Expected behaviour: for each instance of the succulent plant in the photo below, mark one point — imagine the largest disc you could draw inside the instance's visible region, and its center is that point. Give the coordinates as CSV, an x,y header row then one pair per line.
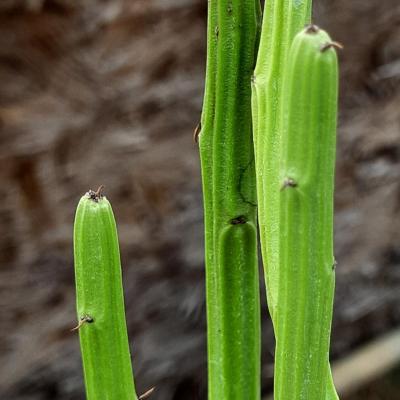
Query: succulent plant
x,y
306,260
286,169
100,302
227,163
282,20
277,112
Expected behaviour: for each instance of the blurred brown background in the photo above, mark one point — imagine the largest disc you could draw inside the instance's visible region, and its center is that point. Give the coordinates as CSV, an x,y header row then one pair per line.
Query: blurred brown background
x,y
108,92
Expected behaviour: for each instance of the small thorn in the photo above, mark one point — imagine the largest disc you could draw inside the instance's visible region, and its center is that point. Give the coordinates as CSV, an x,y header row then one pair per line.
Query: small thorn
x,y
311,28
96,195
334,265
147,394
99,191
196,132
86,319
288,182
76,328
331,45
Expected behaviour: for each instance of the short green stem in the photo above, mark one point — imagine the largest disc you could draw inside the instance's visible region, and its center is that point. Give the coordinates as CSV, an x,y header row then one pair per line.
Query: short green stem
x,y
100,303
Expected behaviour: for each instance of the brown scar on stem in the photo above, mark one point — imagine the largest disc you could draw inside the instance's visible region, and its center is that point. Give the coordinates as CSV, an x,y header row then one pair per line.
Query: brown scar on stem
x,y
147,394
85,319
96,195
238,220
288,182
196,133
331,45
311,28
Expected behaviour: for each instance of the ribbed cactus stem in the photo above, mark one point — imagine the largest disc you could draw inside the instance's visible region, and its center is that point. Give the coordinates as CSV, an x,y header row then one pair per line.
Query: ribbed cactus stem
x,y
100,302
227,163
281,21
306,285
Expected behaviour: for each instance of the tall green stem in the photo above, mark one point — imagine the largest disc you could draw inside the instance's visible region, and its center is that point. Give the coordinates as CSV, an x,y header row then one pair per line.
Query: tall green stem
x,y
100,302
306,285
282,19
227,162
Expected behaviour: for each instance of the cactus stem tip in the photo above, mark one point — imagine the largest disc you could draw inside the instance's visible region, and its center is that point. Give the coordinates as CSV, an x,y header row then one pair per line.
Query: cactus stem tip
x,y
311,28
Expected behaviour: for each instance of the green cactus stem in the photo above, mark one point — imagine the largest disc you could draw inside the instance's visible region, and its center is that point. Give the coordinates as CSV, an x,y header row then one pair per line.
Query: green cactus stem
x,y
281,21
306,261
100,302
227,163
